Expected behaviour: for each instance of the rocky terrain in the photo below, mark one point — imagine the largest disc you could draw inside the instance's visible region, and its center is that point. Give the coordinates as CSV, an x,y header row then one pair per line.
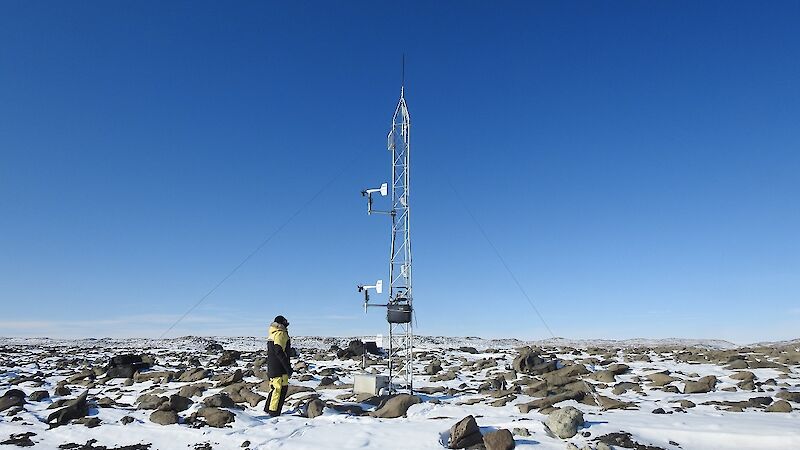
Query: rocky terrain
x,y
204,393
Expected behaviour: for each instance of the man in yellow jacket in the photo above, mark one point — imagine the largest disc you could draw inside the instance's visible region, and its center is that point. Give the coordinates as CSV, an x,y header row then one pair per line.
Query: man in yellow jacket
x,y
279,369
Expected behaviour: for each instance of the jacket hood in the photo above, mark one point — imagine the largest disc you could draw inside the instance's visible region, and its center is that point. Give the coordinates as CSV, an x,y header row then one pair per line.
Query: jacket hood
x,y
275,328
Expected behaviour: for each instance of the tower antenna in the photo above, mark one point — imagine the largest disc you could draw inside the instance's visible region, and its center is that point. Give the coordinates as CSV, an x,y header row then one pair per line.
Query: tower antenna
x,y
403,76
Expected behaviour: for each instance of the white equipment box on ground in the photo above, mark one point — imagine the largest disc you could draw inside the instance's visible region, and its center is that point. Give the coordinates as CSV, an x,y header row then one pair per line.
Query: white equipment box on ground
x,y
369,384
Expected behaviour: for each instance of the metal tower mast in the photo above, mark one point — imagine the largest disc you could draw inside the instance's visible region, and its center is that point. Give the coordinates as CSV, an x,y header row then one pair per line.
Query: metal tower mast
x,y
401,336
399,309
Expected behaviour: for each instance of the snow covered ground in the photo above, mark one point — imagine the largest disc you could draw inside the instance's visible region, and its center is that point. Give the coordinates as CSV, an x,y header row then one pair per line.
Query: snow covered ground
x,y
45,364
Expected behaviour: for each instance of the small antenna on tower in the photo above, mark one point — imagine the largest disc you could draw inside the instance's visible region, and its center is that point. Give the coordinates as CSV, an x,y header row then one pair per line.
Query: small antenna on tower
x,y
403,74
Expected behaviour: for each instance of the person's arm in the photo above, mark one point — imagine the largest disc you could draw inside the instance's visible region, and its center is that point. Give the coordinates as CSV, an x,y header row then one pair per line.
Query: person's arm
x,y
283,355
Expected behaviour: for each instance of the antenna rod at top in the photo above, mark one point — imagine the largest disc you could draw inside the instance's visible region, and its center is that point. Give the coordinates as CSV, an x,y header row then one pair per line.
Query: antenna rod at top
x,y
403,76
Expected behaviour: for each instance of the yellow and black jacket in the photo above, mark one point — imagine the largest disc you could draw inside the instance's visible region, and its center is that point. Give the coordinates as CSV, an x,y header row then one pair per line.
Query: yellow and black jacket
x,y
278,351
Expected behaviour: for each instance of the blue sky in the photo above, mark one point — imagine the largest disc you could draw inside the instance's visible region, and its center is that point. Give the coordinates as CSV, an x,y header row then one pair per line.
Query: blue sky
x,y
635,163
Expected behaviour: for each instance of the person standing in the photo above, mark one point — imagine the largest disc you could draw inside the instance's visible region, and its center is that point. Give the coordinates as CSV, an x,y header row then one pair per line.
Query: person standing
x,y
279,369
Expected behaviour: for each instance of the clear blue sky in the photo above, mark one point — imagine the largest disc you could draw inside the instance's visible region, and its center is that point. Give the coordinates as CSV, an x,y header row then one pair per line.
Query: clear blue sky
x,y
637,165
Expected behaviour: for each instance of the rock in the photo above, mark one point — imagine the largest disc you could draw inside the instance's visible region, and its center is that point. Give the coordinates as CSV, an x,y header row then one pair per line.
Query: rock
x,y
564,423
164,417
529,362
660,379
503,401
216,417
313,408
125,366
744,376
499,440
550,401
447,376
214,347
192,375
686,404
12,398
372,348
294,389
622,439
621,388
74,409
235,377
149,401
565,375
789,396
192,390
604,376
737,365
20,440
701,386
179,403
611,403
465,433
353,410
618,369
746,385
126,420
219,401
780,406
61,390
106,402
433,368
470,350
228,357
659,411
241,393
522,432
326,381
396,406
37,396
355,348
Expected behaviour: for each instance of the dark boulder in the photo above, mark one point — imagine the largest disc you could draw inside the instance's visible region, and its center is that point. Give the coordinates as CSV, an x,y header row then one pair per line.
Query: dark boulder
x,y
228,358
37,396
216,417
701,386
149,401
164,417
125,366
12,397
20,440
214,347
499,440
396,406
372,348
219,401
179,403
74,409
313,408
529,362
465,433
354,348
789,396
